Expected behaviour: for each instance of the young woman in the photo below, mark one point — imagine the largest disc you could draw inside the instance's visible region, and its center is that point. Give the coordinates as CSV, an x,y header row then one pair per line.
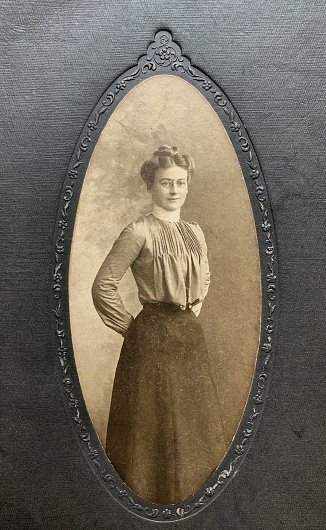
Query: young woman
x,y
165,434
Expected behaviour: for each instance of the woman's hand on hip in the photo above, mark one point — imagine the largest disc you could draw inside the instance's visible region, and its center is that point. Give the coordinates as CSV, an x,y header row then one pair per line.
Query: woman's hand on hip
x,y
197,308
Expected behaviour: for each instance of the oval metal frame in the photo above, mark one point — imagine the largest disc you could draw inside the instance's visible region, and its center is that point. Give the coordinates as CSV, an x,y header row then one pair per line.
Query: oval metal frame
x,y
163,56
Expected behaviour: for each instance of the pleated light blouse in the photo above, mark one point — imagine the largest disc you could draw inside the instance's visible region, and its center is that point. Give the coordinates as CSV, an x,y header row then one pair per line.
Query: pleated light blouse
x,y
168,261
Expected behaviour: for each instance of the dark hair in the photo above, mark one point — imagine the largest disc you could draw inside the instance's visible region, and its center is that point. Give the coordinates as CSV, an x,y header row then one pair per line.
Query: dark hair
x,y
166,157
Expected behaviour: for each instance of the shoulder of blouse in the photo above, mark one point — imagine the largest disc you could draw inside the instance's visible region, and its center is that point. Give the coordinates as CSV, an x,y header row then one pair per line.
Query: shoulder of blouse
x,y
195,226
198,231
136,230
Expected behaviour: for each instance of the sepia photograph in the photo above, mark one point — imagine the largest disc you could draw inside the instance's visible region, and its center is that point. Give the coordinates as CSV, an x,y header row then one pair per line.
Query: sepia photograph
x,y
165,290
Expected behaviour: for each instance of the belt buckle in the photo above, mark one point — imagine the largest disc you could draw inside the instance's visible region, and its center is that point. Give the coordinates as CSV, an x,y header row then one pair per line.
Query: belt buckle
x,y
189,305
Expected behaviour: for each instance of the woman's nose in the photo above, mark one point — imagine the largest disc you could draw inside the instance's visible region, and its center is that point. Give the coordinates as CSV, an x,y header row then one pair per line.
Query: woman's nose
x,y
173,187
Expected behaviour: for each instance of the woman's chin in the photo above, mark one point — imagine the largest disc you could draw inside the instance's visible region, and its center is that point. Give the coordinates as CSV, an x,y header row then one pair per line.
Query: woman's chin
x,y
172,205
172,208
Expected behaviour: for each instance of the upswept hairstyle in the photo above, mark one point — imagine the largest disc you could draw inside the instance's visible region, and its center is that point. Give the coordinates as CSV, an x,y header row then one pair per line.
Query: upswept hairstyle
x,y
166,157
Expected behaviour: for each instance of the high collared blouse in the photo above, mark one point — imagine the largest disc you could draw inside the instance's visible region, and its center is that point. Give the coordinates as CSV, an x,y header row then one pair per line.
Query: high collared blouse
x,y
168,261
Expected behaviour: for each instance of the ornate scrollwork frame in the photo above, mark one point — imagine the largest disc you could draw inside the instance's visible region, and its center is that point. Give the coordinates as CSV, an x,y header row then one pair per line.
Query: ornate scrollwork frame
x,y
164,56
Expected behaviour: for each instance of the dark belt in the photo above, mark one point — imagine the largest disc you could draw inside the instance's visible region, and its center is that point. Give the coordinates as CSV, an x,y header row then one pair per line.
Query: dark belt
x,y
170,305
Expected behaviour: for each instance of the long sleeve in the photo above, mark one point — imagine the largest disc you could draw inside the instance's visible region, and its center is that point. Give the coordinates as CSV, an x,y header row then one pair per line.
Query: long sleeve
x,y
106,298
206,273
207,278
205,265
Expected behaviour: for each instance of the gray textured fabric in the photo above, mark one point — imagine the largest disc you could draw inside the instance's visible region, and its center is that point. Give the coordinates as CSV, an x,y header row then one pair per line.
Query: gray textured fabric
x,y
57,59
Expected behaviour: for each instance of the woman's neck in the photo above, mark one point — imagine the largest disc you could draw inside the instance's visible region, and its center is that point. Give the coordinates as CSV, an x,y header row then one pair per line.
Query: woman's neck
x,y
166,215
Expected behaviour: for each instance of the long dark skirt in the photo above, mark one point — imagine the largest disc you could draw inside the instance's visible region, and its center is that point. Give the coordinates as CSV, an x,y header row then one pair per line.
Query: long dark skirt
x,y
165,435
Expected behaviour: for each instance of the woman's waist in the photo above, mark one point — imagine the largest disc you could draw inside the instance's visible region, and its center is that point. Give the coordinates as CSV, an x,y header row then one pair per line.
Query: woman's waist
x,y
169,306
170,288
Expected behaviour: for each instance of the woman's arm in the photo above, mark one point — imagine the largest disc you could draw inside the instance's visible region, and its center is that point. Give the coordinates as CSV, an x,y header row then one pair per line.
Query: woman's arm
x,y
106,298
207,273
204,266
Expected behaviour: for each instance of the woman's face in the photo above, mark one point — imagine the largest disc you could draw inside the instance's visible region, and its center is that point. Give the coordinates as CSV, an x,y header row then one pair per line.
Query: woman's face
x,y
170,187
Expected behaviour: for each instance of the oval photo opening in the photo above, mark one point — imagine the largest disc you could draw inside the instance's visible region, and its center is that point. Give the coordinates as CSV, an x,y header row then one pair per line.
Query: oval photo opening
x,y
166,347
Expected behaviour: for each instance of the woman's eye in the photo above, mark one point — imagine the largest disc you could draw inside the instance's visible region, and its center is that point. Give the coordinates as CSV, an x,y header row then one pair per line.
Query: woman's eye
x,y
182,183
